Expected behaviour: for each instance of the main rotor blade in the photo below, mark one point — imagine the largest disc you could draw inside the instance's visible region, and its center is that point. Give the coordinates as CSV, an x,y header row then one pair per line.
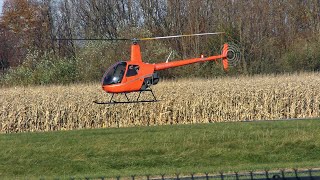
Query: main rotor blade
x,y
178,36
92,39
139,39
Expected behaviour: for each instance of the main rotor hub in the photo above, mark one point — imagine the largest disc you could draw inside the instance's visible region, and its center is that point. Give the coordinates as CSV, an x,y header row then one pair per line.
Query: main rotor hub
x,y
135,41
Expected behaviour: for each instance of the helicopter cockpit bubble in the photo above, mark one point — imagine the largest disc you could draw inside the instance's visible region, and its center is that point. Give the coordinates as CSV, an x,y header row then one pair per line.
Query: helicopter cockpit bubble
x,y
114,74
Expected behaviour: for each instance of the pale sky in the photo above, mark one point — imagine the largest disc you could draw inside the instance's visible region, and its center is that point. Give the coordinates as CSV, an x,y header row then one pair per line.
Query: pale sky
x,y
1,2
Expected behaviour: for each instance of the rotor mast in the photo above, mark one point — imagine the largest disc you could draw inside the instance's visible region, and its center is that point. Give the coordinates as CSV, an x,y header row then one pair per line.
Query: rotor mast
x,y
135,53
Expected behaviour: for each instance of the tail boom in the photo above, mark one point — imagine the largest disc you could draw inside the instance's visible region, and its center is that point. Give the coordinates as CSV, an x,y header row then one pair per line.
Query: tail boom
x,y
162,66
223,56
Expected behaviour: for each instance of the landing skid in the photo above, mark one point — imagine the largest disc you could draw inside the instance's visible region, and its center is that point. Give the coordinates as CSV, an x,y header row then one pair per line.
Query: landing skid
x,y
128,100
124,102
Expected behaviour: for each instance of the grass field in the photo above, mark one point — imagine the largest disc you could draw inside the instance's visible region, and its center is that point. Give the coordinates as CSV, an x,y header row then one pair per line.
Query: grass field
x,y
173,149
187,101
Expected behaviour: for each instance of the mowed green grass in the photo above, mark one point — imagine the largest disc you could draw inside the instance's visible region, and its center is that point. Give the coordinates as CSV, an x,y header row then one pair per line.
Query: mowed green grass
x,y
184,149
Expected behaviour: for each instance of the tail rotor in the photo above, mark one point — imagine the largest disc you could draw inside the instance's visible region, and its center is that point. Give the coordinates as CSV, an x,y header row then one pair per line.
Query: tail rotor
x,y
232,55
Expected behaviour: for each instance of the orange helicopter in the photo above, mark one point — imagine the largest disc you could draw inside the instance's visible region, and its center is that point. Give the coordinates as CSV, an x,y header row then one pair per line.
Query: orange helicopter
x,y
137,76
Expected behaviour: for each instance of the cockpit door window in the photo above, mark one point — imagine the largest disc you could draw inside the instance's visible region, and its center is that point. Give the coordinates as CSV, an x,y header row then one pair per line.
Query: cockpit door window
x,y
115,74
132,70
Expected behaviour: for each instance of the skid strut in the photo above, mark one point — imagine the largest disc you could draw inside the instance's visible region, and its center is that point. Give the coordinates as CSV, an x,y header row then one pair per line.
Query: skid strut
x,y
111,101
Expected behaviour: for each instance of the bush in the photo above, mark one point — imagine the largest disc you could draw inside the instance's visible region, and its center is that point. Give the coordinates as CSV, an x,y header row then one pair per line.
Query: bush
x,y
304,55
41,69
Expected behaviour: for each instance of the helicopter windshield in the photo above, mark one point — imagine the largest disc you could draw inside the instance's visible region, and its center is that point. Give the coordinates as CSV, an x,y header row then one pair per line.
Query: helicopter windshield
x,y
115,74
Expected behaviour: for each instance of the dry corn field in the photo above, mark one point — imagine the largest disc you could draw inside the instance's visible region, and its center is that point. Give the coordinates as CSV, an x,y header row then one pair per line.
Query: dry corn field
x,y
186,101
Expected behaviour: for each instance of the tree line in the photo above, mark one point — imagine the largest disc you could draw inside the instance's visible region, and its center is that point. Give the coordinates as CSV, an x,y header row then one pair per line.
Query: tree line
x,y
273,36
